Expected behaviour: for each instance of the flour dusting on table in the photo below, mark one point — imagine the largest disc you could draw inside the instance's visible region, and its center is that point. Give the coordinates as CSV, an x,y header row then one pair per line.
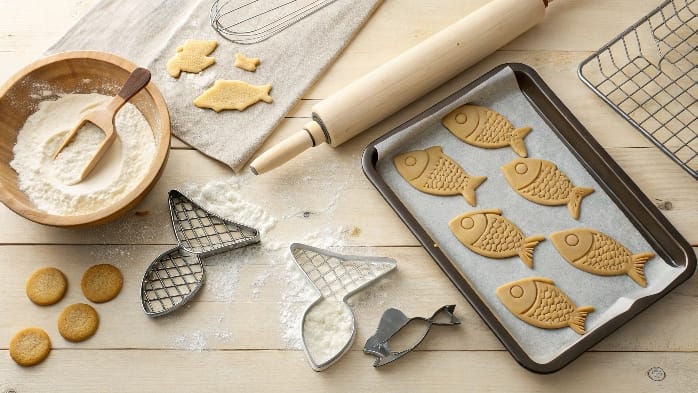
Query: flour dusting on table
x,y
226,198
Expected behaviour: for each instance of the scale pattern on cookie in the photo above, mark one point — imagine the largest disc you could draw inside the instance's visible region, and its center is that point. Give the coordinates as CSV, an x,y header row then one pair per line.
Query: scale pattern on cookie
x,y
482,127
490,234
538,302
595,252
541,182
433,172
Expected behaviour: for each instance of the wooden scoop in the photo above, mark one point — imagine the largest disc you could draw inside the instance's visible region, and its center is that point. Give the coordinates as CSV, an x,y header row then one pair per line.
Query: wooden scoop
x,y
103,118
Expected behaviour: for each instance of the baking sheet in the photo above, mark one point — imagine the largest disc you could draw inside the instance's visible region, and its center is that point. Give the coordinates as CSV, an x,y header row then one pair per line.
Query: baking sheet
x,y
610,296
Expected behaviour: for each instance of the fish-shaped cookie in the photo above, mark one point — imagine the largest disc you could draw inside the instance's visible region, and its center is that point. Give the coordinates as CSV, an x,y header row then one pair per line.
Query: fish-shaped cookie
x,y
540,181
226,94
538,302
483,127
192,57
597,253
435,173
246,63
488,233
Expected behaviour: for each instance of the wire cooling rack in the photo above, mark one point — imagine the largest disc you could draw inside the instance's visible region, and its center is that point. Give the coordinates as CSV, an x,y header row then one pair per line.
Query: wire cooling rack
x,y
648,74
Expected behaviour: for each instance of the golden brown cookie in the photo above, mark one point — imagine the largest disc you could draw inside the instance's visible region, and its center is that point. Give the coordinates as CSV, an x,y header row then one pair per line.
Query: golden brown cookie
x,y
488,233
30,346
78,322
238,95
597,253
101,283
192,57
483,127
538,302
435,173
46,286
541,182
246,63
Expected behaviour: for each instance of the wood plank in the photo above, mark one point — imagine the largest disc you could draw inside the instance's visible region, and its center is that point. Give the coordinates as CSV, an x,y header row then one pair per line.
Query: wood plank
x,y
248,295
252,371
346,199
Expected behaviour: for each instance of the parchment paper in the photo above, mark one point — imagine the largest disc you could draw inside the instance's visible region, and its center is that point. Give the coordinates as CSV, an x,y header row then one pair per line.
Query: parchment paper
x,y
610,296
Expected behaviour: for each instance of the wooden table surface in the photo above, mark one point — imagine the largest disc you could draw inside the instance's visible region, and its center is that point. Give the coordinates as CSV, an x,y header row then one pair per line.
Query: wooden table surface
x,y
236,334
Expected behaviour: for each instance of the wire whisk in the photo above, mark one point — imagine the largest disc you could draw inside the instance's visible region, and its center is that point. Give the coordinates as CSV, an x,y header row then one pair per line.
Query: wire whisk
x,y
250,22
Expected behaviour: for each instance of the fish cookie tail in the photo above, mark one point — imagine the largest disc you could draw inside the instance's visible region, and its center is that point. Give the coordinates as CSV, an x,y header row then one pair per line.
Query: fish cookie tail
x,y
637,268
517,140
469,191
266,97
526,252
579,318
575,202
173,68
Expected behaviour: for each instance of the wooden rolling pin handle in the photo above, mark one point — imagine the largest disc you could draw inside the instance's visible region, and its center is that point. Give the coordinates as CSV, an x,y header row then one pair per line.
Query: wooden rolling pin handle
x,y
310,136
402,80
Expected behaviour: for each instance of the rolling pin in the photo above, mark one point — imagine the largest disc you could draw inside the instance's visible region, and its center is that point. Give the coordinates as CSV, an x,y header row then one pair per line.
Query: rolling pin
x,y
404,79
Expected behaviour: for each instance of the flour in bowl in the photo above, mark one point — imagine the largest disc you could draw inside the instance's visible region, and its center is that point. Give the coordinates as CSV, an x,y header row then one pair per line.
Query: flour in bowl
x,y
47,182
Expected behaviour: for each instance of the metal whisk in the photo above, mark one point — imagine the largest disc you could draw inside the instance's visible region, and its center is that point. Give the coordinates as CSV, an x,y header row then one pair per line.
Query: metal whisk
x,y
249,22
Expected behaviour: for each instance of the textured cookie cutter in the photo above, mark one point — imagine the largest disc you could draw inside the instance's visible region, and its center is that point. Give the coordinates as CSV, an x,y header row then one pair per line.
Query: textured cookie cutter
x,y
175,276
336,278
392,322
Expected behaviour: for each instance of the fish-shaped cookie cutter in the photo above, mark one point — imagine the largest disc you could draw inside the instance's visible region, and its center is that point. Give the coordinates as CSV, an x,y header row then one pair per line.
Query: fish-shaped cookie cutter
x,y
175,276
392,322
336,277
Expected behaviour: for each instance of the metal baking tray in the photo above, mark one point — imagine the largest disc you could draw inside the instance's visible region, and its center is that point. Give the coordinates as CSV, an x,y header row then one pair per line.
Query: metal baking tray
x,y
617,207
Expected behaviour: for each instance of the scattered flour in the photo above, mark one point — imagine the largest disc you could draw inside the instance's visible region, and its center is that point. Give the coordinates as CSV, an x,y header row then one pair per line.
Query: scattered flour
x,y
327,329
226,198
48,182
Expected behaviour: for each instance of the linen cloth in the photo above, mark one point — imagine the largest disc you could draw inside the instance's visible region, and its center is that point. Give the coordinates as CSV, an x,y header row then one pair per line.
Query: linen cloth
x,y
148,33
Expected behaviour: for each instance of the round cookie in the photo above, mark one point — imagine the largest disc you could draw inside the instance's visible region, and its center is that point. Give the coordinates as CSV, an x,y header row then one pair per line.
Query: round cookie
x,y
101,283
30,346
46,286
78,322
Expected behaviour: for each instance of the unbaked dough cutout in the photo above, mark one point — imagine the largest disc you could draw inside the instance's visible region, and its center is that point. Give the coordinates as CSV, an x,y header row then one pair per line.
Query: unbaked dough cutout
x,y
227,94
246,63
192,57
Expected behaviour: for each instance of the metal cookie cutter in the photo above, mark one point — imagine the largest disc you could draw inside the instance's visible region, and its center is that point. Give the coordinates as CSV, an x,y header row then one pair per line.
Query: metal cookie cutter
x,y
336,277
392,322
175,276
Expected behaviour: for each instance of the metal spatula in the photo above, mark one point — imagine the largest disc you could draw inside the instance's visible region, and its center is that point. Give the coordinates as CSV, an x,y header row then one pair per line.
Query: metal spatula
x,y
103,118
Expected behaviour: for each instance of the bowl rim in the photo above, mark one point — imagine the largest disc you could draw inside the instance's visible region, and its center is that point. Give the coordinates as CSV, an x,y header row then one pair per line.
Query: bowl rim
x,y
162,137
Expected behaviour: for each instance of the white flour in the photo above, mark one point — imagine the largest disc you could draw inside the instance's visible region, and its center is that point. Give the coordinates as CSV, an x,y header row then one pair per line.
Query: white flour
x,y
226,197
47,182
327,329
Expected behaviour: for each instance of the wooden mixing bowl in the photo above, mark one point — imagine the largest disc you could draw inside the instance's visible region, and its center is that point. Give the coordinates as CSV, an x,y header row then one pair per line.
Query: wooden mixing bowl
x,y
75,72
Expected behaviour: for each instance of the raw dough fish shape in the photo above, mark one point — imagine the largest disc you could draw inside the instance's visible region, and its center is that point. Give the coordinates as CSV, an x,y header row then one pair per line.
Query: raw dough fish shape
x,y
489,234
483,127
538,302
226,94
192,57
433,172
246,63
597,253
541,182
